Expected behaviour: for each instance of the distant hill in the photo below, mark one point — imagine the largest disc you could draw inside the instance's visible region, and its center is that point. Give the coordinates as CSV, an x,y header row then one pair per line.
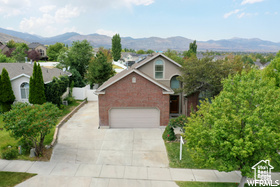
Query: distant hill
x,y
154,43
6,38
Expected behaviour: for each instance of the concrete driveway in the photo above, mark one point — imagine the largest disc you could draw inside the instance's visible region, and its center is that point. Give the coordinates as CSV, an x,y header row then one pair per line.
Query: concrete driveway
x,y
91,157
81,142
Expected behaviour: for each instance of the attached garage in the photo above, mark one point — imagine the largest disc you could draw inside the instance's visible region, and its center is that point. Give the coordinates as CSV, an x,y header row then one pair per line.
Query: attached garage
x,y
134,117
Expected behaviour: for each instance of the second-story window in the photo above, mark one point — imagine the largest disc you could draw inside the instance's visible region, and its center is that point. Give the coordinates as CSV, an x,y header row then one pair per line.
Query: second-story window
x,y
159,69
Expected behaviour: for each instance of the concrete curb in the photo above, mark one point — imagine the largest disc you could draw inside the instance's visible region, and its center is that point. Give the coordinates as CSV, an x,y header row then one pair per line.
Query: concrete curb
x,y
64,120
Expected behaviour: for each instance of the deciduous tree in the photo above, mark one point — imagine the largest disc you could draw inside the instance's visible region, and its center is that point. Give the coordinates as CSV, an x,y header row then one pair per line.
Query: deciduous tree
x,y
78,56
34,55
53,51
240,127
100,70
31,122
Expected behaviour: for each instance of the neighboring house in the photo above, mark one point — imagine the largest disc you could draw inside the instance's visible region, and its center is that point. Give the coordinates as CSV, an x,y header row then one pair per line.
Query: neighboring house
x,y
129,58
142,95
260,65
40,48
3,48
20,74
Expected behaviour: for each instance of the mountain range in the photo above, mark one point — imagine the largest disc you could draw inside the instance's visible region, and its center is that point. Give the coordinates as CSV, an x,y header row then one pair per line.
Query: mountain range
x,y
155,43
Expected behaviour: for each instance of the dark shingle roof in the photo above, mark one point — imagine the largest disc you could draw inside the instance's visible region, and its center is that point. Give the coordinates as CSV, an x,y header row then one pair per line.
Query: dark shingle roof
x,y
17,69
34,45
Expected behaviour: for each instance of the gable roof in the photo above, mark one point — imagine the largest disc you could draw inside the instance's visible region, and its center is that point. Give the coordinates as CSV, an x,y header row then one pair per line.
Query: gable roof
x,y
33,45
152,57
134,68
17,70
127,72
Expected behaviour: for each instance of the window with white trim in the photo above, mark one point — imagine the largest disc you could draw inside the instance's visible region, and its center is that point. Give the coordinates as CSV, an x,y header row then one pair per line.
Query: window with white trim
x,y
159,69
24,90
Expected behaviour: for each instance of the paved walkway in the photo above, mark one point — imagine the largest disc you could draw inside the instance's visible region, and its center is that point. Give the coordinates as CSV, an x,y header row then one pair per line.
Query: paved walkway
x,y
87,156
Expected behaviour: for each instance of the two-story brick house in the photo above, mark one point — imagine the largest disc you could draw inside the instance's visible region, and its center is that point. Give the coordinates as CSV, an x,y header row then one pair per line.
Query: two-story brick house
x,y
143,95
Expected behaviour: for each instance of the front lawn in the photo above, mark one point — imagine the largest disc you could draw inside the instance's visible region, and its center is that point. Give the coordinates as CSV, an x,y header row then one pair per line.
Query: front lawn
x,y
13,178
6,139
173,151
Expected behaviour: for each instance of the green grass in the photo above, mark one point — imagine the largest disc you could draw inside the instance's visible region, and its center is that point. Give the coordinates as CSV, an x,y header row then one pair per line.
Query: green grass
x,y
173,150
6,139
116,67
13,178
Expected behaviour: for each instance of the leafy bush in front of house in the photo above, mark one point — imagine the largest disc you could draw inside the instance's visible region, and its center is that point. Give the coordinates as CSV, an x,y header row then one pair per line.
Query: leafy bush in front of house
x,y
31,122
9,153
55,89
168,134
70,100
179,122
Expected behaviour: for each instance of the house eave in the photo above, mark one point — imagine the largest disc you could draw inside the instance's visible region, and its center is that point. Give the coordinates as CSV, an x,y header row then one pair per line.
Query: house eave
x,y
168,93
99,92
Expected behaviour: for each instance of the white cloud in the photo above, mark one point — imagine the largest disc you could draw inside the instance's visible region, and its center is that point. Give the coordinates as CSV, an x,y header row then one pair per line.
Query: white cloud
x,y
107,33
250,1
241,15
226,15
50,22
13,7
47,8
67,12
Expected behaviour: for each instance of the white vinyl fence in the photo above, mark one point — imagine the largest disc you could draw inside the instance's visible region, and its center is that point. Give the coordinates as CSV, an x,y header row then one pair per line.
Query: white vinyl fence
x,y
85,92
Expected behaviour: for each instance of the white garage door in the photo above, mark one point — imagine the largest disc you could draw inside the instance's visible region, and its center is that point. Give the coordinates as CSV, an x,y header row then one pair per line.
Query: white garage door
x,y
134,117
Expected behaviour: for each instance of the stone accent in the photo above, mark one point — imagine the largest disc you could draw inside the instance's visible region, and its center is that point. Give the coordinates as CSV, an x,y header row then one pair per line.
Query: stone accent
x,y
124,93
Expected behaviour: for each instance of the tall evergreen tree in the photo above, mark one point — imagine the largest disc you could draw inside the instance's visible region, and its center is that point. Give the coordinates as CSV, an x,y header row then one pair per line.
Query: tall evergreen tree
x,y
37,89
32,86
100,70
7,96
116,47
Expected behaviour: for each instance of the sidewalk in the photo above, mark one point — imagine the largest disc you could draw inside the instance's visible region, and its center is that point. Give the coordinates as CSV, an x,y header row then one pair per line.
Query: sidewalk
x,y
71,174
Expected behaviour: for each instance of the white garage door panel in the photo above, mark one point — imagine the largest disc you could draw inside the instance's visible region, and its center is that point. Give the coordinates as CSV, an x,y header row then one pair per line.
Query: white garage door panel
x,y
134,117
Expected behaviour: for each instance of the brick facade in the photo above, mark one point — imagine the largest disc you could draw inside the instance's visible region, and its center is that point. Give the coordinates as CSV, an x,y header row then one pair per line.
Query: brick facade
x,y
124,93
192,102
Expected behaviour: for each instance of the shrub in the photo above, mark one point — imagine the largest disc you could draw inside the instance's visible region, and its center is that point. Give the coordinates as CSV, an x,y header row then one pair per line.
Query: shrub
x,y
70,100
26,145
9,153
179,122
168,134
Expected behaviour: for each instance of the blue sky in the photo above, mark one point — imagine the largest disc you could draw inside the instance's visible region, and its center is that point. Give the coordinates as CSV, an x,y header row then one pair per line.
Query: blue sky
x,y
195,19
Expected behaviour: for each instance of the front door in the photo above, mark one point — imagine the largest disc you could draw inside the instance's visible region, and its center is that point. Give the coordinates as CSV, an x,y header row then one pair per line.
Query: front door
x,y
174,104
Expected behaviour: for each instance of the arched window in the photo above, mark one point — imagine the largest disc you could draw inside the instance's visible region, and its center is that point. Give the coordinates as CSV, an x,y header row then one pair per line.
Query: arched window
x,y
24,90
174,83
159,69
